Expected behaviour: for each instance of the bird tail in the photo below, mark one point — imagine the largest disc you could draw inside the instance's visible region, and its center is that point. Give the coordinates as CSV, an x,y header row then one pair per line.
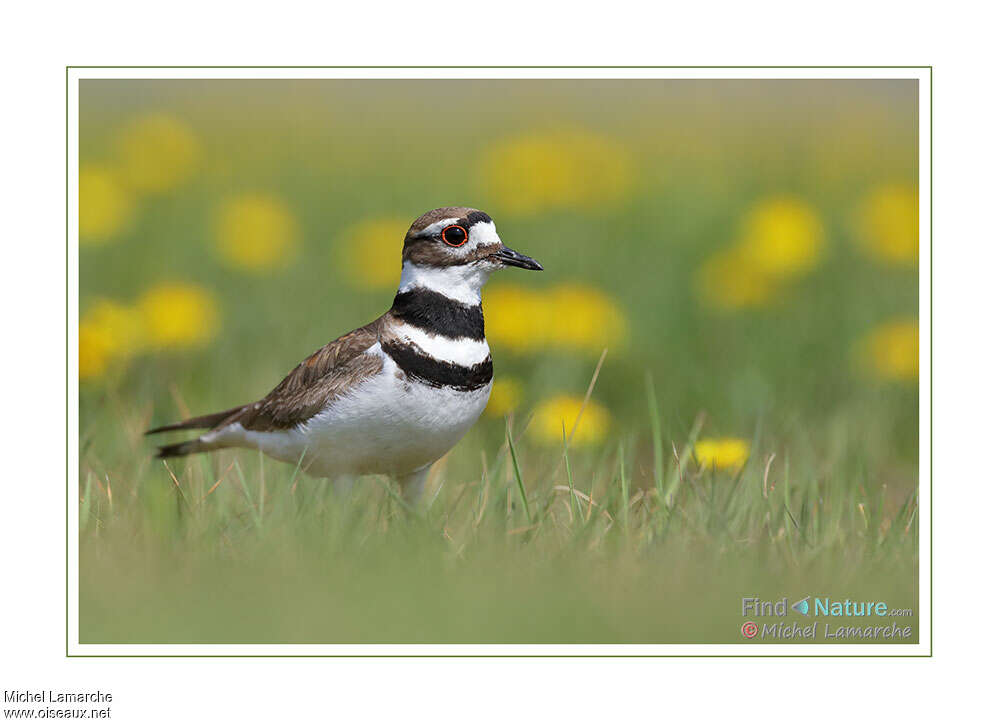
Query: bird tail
x,y
199,444
196,423
181,449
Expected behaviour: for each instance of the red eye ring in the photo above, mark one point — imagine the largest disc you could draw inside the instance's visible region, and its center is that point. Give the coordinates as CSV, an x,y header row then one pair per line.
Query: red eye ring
x,y
455,240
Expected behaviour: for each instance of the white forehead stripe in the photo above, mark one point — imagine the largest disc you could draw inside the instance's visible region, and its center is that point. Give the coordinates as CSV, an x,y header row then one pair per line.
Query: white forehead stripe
x,y
439,225
462,351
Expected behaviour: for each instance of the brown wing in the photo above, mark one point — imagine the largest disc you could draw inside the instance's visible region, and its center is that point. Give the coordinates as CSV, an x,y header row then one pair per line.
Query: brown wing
x,y
318,380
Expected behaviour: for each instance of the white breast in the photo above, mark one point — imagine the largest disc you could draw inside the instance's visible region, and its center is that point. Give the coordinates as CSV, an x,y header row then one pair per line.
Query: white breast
x,y
392,424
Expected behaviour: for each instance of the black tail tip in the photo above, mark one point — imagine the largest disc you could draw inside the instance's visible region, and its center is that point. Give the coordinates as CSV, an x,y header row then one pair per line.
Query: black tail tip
x,y
176,450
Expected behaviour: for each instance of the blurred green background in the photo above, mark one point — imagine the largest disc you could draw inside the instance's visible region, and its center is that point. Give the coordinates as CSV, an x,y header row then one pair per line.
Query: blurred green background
x,y
745,250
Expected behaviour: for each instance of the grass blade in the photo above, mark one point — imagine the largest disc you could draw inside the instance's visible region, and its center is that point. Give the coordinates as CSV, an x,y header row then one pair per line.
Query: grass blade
x,y
516,472
657,435
589,392
249,499
572,488
85,503
625,495
681,463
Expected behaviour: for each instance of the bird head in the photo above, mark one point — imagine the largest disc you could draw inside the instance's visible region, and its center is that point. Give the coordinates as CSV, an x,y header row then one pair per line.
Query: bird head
x,y
454,250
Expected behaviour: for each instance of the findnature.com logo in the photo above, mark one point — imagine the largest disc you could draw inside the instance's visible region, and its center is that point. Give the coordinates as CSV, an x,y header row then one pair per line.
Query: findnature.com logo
x,y
822,607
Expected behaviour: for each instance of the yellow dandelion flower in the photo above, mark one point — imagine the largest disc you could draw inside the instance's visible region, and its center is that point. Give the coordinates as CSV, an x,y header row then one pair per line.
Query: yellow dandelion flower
x,y
157,153
106,207
583,317
179,315
369,251
506,395
518,318
723,453
94,351
891,351
109,332
782,236
727,281
124,325
567,316
571,168
550,417
889,225
256,233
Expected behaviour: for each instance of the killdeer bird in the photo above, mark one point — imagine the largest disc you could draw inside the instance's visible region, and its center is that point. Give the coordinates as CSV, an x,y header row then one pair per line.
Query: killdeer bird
x,y
395,395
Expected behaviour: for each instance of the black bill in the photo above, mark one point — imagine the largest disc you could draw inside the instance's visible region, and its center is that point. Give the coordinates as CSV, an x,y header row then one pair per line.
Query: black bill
x,y
508,256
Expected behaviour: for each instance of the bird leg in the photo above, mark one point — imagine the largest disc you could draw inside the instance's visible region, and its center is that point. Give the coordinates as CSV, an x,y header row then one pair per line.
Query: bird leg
x,y
412,485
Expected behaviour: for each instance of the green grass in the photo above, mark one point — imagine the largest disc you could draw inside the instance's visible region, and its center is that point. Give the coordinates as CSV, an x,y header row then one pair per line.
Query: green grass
x,y
238,549
626,541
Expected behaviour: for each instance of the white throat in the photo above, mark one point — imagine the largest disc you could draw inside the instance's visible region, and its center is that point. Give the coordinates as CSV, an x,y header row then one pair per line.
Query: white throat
x,y
462,282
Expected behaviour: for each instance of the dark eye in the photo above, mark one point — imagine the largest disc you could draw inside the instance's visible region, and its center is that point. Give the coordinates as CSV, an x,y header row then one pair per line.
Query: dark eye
x,y
454,235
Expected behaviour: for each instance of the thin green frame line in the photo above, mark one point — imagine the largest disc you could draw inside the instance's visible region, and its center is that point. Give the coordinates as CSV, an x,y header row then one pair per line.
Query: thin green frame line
x,y
514,656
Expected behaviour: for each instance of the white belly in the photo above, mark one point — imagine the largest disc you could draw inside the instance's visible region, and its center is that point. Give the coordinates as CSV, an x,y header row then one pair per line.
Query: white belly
x,y
390,424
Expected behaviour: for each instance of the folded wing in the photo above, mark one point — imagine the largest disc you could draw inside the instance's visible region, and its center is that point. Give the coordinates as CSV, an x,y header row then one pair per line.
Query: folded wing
x,y
328,373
